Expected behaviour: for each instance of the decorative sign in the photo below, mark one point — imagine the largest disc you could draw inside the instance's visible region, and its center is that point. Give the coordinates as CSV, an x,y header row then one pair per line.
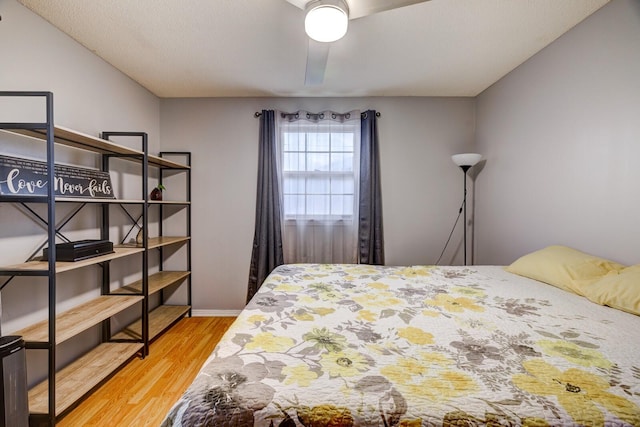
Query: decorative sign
x,y
22,177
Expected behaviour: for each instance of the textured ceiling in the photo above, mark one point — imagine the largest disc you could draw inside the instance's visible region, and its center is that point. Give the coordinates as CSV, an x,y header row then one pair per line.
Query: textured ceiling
x,y
225,48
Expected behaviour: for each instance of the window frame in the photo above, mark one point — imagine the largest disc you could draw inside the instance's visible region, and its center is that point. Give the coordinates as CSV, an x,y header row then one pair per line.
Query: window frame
x,y
330,128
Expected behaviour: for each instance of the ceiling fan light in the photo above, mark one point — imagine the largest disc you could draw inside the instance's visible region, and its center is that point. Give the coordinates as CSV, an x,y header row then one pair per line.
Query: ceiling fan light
x,y
326,21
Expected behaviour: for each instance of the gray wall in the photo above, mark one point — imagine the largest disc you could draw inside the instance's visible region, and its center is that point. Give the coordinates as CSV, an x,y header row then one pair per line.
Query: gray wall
x,y
421,186
561,135
89,96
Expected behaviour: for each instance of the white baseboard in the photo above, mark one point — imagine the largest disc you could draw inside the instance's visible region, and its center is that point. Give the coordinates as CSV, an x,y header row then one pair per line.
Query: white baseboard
x,y
215,313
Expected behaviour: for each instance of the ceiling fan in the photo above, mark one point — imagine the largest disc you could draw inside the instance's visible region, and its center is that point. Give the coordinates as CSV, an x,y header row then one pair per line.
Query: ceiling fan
x,y
321,33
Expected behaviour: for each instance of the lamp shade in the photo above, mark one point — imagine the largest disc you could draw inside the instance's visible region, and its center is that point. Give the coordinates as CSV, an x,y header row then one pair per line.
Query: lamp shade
x,y
326,20
466,159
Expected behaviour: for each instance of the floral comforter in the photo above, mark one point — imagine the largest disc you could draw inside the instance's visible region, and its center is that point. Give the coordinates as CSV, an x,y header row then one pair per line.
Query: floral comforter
x,y
352,345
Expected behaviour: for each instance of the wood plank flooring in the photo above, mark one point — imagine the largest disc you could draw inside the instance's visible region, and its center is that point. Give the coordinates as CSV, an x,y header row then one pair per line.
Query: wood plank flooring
x,y
145,389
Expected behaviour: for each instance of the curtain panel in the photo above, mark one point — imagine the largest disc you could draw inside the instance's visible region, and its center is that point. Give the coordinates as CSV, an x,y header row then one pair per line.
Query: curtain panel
x,y
267,239
370,231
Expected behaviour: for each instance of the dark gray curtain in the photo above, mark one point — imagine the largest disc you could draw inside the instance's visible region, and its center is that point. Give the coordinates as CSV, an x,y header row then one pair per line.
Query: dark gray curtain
x,y
370,235
267,239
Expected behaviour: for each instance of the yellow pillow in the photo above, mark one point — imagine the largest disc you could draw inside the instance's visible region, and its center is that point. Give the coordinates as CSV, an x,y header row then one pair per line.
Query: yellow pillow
x,y
563,267
621,291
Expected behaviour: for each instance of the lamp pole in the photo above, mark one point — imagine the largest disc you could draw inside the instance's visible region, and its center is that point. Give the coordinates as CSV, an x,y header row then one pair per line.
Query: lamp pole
x,y
465,162
465,168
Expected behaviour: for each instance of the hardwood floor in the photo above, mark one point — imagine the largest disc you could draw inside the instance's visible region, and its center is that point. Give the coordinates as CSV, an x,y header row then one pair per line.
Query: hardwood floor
x,y
143,391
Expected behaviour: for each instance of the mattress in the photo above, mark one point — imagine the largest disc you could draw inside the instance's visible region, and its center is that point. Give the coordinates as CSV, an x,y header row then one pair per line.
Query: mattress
x,y
354,345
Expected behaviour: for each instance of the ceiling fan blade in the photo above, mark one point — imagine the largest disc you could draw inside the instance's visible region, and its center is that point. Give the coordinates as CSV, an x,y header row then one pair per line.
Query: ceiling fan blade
x,y
360,8
317,55
299,3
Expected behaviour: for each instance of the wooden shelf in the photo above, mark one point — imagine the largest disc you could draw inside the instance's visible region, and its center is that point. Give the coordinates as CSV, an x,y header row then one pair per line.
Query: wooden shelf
x,y
169,202
83,141
116,201
81,376
157,282
98,201
61,266
80,318
43,199
160,319
156,242
7,198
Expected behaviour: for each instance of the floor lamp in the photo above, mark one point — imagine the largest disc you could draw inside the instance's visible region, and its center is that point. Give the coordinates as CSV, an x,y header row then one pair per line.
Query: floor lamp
x,y
465,161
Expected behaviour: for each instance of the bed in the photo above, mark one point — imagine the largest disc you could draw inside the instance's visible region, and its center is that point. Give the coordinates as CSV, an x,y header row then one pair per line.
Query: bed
x,y
355,345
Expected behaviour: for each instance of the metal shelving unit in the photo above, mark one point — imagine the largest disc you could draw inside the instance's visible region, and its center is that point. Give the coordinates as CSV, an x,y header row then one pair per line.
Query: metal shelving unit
x,y
155,321
63,388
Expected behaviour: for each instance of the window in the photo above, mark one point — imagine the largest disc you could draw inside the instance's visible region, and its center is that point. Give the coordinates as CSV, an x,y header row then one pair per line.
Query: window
x,y
319,168
318,172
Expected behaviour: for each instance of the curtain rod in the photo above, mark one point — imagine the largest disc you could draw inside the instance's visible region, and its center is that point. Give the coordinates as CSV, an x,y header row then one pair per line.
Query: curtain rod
x,y
258,114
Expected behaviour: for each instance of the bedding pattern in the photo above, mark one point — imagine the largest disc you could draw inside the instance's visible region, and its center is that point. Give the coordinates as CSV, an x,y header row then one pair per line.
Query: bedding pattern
x,y
355,345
